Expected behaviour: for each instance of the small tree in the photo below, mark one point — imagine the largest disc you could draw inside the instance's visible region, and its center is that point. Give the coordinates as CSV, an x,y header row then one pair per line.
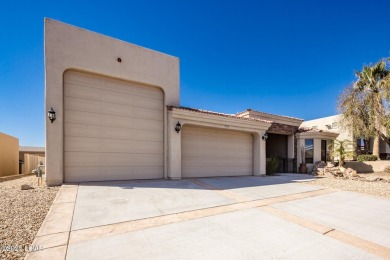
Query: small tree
x,y
342,150
365,104
272,165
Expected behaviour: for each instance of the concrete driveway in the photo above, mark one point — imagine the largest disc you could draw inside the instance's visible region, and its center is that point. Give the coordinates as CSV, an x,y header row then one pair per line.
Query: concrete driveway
x,y
213,218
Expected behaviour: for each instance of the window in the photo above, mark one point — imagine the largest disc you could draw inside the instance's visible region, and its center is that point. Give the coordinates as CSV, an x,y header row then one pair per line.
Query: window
x,y
334,125
315,127
309,150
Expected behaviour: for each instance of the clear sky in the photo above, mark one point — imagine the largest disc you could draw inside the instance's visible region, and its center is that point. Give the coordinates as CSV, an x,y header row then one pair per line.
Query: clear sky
x,y
284,57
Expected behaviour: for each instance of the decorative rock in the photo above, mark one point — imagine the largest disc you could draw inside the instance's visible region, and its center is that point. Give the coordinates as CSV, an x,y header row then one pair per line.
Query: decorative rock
x,y
319,168
349,173
26,187
374,179
330,165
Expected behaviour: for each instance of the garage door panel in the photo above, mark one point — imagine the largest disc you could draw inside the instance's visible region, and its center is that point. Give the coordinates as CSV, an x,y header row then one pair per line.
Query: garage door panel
x,y
87,159
119,133
94,106
112,97
80,174
217,153
211,147
216,171
74,116
82,144
113,129
217,143
135,90
112,85
210,152
210,161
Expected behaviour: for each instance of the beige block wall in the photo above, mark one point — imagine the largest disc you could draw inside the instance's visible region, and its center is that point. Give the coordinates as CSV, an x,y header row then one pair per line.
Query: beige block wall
x,y
9,155
368,166
31,162
68,47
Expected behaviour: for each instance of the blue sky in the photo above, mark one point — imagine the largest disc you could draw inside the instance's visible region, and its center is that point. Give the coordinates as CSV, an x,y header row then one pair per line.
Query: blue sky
x,y
284,57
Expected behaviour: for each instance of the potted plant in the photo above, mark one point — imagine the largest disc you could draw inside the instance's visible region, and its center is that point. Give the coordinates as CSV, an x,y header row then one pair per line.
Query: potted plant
x,y
302,166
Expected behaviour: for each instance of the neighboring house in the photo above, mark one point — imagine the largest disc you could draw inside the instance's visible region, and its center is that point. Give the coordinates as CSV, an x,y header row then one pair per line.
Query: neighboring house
x,y
118,117
9,148
29,157
332,124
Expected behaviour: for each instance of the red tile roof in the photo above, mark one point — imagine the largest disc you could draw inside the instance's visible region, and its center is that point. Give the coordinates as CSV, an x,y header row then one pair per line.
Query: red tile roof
x,y
170,108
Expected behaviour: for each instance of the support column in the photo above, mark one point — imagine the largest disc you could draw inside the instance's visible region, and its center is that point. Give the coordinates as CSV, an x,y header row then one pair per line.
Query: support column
x,y
174,150
300,142
317,150
290,153
290,146
259,154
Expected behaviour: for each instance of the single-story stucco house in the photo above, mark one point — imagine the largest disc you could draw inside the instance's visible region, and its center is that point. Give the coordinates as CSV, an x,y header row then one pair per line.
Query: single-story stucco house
x,y
115,114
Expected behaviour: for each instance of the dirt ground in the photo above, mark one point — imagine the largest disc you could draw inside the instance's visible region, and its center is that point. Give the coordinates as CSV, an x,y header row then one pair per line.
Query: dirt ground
x,y
377,184
22,213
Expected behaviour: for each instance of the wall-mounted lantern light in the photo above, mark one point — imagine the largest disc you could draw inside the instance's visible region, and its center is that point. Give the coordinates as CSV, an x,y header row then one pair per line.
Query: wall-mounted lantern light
x,y
178,127
265,137
51,114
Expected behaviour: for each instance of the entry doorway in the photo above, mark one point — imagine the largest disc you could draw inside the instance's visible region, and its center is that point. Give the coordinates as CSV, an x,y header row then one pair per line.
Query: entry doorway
x,y
277,147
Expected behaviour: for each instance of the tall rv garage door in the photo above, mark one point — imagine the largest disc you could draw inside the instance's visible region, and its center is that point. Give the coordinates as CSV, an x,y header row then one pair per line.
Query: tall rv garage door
x,y
208,152
113,129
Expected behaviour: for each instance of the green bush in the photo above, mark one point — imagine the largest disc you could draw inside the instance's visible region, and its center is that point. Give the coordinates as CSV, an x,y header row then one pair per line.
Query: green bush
x,y
272,165
367,157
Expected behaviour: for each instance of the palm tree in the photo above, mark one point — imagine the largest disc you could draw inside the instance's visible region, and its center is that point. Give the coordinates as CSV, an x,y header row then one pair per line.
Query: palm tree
x,y
365,104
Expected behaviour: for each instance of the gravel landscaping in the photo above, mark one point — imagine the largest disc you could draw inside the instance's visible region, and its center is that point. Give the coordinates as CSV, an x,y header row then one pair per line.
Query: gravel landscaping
x,y
22,213
370,183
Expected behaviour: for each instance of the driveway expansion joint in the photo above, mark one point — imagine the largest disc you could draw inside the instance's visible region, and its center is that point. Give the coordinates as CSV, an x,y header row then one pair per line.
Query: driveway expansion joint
x,y
370,247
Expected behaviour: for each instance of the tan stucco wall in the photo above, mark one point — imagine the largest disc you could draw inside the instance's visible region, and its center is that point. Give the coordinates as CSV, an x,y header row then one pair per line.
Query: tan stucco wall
x,y
68,47
9,155
322,122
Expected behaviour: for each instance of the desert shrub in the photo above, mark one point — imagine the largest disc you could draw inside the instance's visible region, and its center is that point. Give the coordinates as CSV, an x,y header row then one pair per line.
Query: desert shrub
x,y
367,157
272,165
387,169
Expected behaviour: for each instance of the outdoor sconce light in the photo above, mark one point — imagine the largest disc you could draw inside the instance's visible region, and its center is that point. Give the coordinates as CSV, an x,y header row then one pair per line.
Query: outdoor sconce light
x,y
51,114
265,137
178,127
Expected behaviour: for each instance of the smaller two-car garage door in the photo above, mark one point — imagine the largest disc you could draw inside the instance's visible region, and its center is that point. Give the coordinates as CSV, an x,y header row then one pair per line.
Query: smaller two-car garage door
x,y
208,152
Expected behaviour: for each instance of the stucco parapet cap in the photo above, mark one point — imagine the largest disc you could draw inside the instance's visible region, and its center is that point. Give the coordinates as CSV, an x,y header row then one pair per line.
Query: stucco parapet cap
x,y
317,133
269,114
171,108
311,130
31,149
